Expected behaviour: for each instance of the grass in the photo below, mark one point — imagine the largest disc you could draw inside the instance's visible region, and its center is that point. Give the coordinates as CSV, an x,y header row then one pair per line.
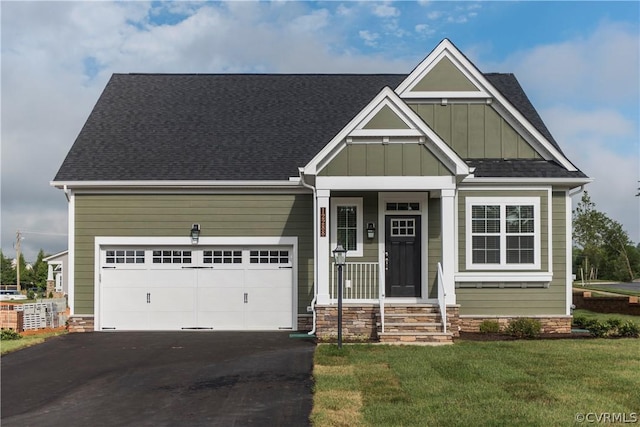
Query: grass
x,y
608,289
8,346
532,383
604,316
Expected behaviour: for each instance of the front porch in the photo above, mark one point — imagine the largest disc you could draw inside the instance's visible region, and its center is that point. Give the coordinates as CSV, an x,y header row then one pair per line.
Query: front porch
x,y
368,315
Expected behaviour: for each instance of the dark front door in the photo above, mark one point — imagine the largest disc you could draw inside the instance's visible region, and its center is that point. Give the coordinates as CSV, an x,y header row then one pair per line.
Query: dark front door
x,y
402,255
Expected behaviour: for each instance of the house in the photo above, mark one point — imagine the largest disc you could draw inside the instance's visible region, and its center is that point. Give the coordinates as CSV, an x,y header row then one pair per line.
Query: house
x,y
215,202
56,277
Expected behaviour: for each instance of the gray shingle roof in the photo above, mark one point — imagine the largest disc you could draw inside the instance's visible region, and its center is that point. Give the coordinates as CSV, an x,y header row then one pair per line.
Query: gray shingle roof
x,y
232,126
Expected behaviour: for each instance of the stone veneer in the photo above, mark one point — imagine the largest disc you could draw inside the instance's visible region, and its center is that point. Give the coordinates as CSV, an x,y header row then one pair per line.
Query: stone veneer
x,y
360,321
550,324
305,322
80,323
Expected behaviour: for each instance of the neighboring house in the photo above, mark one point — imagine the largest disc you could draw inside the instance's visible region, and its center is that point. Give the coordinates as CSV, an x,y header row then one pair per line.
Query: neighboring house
x,y
444,185
57,265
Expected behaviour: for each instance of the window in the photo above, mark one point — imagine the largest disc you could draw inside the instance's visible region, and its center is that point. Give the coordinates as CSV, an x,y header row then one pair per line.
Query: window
x,y
269,257
171,257
503,233
222,257
122,256
346,223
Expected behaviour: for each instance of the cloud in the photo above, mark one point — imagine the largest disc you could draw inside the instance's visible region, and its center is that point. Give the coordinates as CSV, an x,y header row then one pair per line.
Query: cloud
x,y
424,29
385,11
602,67
370,39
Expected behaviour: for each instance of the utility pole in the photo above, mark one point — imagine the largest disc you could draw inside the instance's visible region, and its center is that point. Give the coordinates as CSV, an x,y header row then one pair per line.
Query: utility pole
x,y
18,239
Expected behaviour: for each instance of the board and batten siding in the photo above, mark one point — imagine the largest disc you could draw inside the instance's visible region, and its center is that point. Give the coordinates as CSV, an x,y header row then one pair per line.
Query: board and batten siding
x,y
475,131
172,215
521,301
377,159
434,245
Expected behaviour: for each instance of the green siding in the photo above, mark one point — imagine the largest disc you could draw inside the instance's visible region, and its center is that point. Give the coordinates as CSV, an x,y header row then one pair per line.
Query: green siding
x,y
521,301
434,246
385,160
172,215
444,76
475,131
386,119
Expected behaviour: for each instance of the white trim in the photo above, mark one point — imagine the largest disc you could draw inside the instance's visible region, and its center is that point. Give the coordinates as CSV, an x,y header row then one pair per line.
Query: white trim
x,y
568,253
292,182
101,241
323,256
502,201
423,198
522,181
386,96
385,132
447,49
53,257
385,183
503,277
348,201
447,95
71,263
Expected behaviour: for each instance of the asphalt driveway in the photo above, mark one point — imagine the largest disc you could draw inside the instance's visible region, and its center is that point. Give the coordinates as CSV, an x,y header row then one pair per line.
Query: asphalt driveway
x,y
160,379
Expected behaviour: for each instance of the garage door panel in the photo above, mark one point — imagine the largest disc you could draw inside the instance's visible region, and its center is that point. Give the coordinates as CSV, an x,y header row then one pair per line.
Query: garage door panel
x,y
124,278
218,288
280,278
220,278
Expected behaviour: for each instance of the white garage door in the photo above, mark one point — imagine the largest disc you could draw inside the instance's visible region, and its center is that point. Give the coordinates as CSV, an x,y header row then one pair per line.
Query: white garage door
x,y
182,288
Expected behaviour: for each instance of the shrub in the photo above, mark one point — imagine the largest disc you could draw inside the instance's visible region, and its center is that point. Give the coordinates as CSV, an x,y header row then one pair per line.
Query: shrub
x,y
9,334
490,327
597,328
579,321
629,329
524,328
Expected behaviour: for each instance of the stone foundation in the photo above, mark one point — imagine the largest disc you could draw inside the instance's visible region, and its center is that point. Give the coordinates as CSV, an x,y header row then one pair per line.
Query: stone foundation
x,y
550,324
81,323
359,322
305,322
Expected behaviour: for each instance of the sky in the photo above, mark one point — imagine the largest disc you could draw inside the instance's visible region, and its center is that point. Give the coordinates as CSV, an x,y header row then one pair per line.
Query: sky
x,y
578,62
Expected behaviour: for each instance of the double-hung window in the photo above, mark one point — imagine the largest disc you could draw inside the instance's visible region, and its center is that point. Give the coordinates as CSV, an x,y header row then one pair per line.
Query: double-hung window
x,y
503,233
346,220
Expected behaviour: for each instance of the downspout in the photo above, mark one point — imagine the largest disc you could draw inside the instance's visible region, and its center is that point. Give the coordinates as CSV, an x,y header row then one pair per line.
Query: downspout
x,y
315,248
66,192
578,191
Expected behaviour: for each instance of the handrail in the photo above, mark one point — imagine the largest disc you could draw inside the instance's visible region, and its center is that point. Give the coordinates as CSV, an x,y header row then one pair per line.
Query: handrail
x,y
442,298
381,309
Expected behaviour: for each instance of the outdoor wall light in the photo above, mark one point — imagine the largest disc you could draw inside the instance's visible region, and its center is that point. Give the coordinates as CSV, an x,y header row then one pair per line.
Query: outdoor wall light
x,y
195,233
371,230
340,255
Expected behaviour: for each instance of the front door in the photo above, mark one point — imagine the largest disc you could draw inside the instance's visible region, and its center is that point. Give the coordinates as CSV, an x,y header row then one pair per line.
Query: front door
x,y
402,256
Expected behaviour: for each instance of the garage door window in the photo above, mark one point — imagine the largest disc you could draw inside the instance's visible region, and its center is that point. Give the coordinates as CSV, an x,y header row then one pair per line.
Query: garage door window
x,y
222,257
269,257
122,256
171,257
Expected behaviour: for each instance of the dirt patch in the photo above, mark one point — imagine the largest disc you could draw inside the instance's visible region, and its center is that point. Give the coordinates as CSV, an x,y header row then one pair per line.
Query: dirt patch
x,y
481,336
32,332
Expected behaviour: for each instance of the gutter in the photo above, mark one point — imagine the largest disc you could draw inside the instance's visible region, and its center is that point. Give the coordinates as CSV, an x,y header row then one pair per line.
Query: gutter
x,y
315,248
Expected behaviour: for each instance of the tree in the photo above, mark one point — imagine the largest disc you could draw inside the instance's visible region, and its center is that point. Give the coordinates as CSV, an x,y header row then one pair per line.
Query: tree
x,y
603,245
40,271
7,272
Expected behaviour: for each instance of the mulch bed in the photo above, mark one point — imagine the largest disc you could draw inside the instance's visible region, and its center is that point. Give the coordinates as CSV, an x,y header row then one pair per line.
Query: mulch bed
x,y
481,336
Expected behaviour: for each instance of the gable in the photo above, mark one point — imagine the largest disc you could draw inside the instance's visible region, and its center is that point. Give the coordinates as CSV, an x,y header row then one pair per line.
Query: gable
x,y
386,118
475,131
444,76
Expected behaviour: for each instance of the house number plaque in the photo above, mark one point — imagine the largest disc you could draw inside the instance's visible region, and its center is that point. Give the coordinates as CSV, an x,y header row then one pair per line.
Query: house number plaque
x,y
323,222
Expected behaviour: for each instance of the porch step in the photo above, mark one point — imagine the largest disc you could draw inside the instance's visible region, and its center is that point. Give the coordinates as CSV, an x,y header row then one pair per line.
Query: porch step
x,y
412,317
415,337
413,327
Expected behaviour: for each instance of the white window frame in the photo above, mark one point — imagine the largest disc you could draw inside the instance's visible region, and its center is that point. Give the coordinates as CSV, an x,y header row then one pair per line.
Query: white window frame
x,y
503,202
348,201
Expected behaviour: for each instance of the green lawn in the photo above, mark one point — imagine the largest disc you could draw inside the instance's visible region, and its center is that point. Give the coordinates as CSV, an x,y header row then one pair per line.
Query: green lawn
x,y
611,289
531,383
7,346
604,316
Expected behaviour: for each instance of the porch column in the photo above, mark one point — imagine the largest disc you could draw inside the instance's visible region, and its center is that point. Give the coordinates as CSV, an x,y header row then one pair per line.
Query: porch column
x,y
50,272
322,262
449,234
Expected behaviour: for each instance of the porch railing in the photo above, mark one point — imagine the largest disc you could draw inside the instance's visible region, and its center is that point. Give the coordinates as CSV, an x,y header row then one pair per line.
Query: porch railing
x,y
442,299
361,281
